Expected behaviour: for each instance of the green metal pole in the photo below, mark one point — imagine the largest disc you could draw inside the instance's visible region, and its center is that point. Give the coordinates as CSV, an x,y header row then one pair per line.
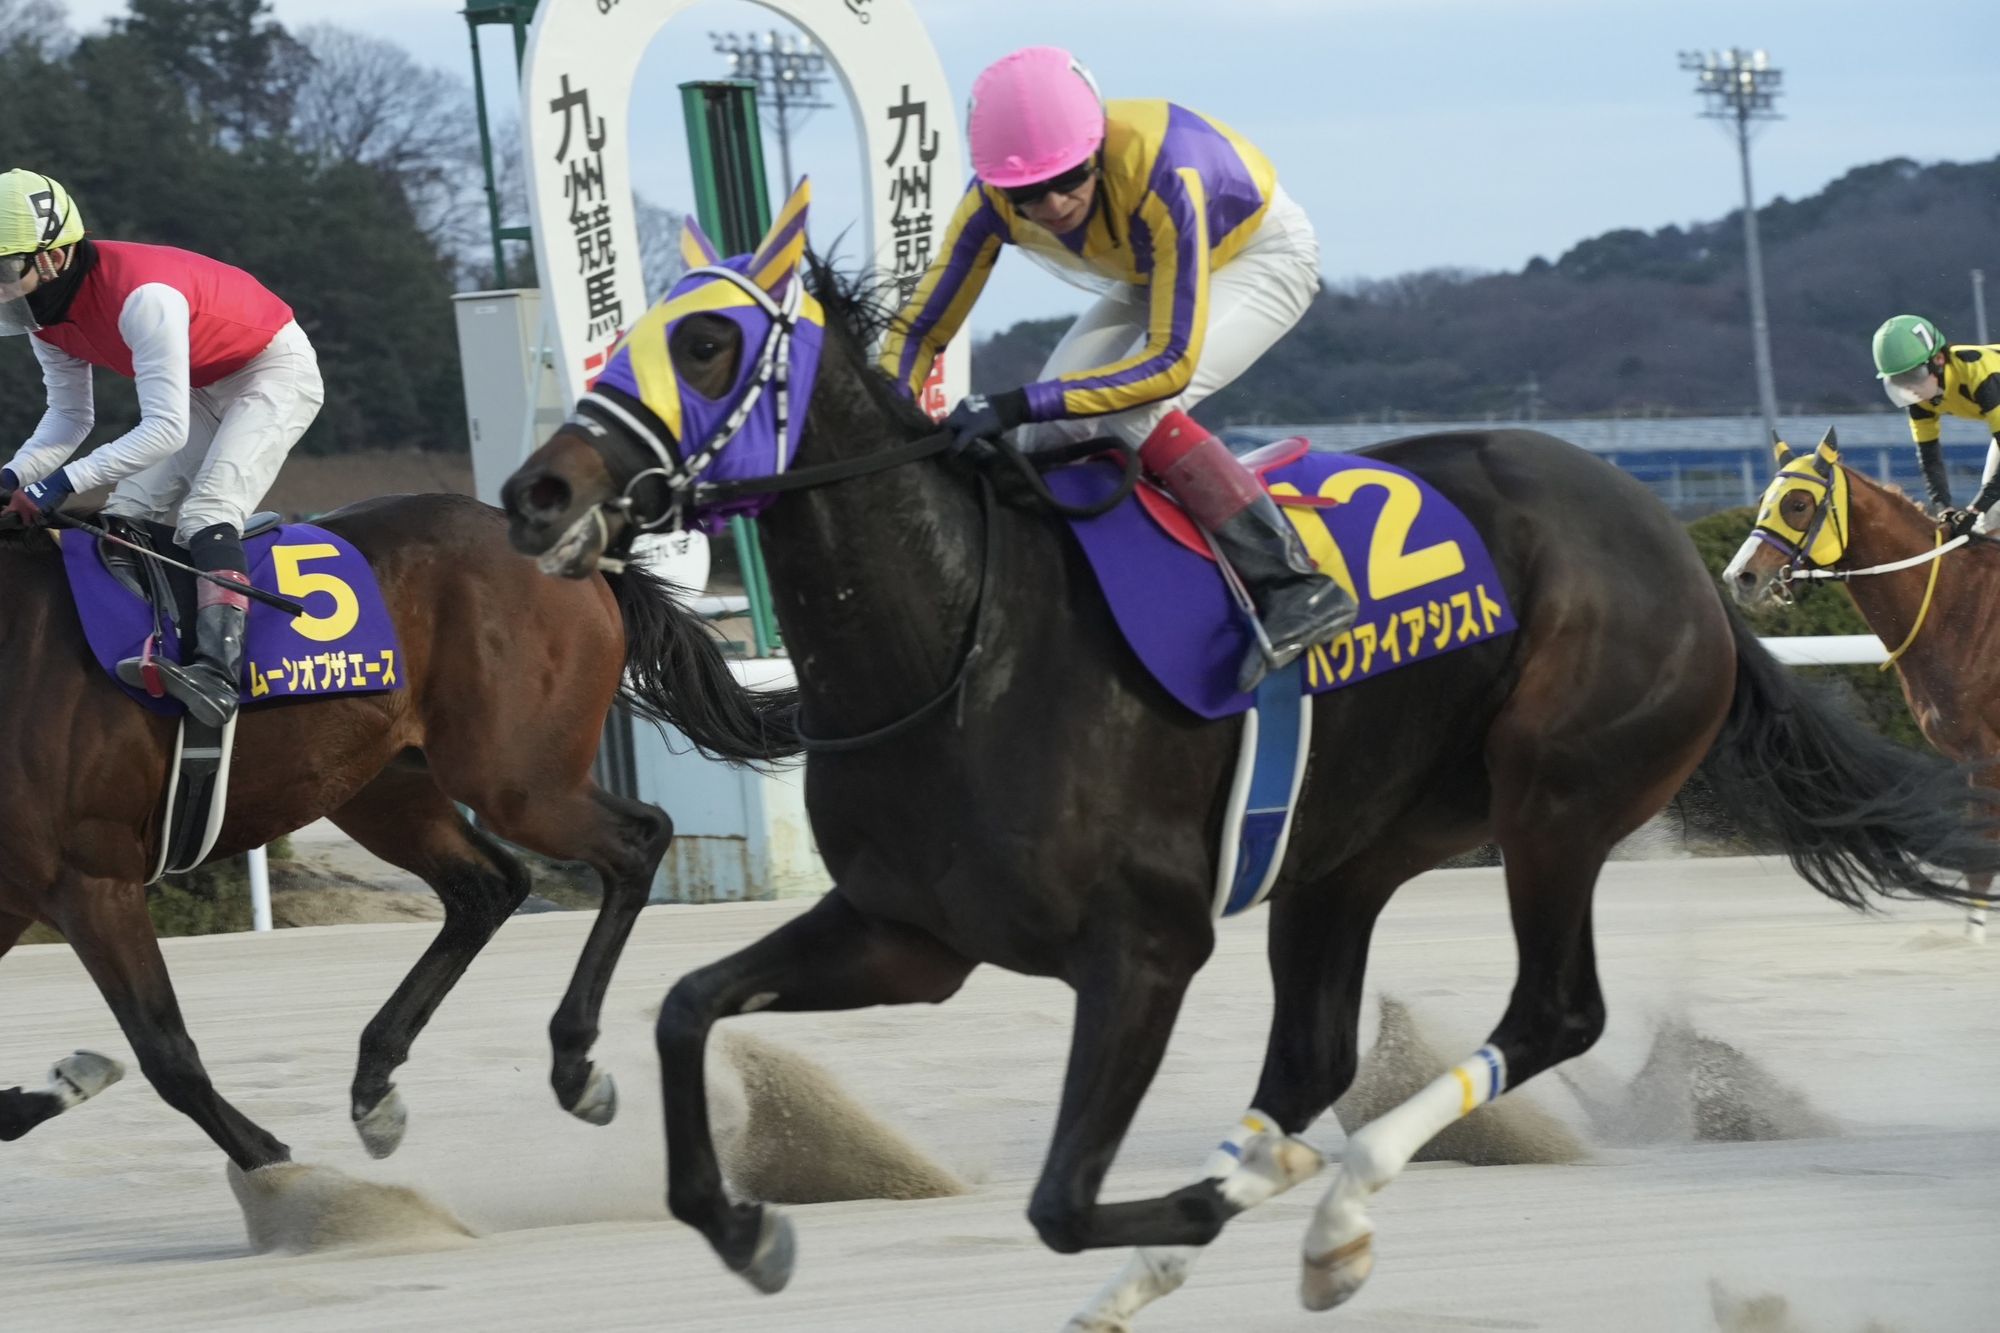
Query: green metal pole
x,y
750,560
486,155
733,204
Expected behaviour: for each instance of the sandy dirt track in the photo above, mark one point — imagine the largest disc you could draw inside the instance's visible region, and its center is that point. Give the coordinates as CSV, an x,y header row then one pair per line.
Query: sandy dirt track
x,y
117,1214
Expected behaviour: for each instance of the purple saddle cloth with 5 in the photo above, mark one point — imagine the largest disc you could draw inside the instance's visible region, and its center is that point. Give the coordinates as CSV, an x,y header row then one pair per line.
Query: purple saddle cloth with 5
x,y
1421,573
345,642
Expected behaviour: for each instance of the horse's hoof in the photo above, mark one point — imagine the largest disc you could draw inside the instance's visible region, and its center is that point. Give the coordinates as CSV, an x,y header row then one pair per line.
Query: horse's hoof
x,y
770,1266
1097,1323
1334,1277
381,1126
598,1104
81,1076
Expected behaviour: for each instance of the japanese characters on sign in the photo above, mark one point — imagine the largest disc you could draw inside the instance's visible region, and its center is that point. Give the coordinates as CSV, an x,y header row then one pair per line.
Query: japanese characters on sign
x,y
580,68
580,155
911,167
909,164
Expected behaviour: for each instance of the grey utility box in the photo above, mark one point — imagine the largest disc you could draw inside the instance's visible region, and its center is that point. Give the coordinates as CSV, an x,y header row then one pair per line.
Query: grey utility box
x,y
512,402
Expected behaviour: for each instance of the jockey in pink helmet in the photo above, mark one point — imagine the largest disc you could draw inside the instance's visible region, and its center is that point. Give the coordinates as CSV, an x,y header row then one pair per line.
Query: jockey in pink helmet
x,y
1201,263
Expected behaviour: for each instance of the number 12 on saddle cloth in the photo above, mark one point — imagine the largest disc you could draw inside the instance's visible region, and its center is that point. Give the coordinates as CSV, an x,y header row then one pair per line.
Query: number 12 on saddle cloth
x,y
1418,569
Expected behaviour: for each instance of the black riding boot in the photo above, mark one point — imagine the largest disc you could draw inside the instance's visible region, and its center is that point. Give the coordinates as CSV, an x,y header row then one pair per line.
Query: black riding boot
x,y
208,681
1298,605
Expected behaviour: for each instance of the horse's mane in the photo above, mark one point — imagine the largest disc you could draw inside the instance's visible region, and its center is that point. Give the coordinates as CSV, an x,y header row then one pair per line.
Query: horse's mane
x,y
1888,488
1980,540
860,308
28,541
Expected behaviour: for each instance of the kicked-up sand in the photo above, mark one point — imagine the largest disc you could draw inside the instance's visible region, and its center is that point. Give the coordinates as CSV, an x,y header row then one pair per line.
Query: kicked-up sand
x,y
1785,1128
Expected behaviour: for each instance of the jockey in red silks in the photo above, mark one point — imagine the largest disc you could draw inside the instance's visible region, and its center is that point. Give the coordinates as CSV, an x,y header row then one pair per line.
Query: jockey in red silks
x,y
1202,262
227,384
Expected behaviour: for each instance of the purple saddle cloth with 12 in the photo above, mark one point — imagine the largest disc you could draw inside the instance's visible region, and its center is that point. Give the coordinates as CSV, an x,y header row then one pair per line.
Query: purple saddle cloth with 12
x,y
1422,576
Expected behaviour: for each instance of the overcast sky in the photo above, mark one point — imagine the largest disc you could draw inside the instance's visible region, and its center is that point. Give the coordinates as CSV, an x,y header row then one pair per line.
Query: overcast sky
x,y
1416,133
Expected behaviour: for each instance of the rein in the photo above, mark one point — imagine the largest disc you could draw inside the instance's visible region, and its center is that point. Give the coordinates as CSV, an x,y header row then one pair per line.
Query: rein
x,y
1792,574
975,642
1797,571
1924,607
974,646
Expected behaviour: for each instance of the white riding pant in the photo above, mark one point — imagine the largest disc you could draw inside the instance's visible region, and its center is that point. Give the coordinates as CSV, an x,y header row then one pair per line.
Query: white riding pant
x,y
240,430
1253,301
1986,518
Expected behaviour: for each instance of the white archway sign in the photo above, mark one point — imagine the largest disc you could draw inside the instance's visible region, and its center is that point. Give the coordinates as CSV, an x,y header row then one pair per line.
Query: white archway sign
x,y
582,59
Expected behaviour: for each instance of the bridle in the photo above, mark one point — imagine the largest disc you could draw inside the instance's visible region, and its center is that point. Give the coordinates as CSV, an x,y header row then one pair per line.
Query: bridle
x,y
924,446
1798,565
1798,569
676,481
675,472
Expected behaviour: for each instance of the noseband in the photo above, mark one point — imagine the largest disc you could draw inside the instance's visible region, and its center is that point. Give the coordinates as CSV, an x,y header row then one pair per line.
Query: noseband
x,y
1798,566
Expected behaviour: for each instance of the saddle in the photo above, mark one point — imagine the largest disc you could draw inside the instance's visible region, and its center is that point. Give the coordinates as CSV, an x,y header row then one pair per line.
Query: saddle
x,y
198,777
169,593
1421,573
1173,520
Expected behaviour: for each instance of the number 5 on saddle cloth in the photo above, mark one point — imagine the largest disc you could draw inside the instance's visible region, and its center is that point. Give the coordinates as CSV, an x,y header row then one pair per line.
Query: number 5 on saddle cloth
x,y
130,606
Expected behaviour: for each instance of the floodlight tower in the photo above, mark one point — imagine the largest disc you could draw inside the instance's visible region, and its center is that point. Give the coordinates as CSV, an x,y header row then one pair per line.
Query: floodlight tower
x,y
789,70
1741,88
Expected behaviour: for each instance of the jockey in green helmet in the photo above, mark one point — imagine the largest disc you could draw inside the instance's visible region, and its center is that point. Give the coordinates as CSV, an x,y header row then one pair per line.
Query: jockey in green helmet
x,y
1921,372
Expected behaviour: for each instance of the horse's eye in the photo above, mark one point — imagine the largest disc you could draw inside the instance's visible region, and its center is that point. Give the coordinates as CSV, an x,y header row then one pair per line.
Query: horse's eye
x,y
706,349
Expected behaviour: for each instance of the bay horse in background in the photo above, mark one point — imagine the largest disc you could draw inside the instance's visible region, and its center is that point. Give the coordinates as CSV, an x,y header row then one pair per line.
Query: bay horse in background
x,y
1820,518
993,777
507,679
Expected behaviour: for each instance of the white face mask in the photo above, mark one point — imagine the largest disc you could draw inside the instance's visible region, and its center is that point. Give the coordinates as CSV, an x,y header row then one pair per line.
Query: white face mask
x,y
1917,385
15,317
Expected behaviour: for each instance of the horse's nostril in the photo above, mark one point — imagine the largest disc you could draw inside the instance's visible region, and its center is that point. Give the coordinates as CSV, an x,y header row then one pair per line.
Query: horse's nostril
x,y
546,495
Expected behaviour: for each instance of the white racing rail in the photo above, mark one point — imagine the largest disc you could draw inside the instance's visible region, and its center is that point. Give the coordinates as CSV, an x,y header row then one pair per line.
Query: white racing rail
x,y
1829,650
1826,650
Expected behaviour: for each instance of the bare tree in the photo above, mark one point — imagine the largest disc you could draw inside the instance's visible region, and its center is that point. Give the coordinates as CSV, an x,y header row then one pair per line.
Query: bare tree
x,y
367,101
35,27
659,246
659,226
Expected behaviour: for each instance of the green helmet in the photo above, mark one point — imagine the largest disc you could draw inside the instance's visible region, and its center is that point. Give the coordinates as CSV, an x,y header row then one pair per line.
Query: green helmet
x,y
1905,342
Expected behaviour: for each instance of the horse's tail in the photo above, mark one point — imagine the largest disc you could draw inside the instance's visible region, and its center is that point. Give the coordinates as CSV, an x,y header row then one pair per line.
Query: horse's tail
x,y
1853,810
675,674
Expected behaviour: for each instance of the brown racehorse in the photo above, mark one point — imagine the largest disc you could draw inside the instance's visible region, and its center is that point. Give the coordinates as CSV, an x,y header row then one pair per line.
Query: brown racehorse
x,y
1939,609
507,679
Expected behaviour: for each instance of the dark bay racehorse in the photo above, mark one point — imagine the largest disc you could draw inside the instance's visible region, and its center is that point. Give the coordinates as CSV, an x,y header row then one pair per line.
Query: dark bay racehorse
x,y
1939,610
507,678
998,780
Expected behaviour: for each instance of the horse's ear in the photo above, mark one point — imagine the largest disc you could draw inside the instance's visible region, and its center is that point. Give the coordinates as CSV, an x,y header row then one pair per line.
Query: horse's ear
x,y
696,252
1829,447
1779,449
779,253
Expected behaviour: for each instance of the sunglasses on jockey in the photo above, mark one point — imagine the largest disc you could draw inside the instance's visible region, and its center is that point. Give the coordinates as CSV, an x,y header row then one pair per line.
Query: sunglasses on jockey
x,y
1068,183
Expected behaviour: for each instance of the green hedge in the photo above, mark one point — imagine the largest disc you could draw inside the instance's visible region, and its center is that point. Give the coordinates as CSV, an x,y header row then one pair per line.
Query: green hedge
x,y
209,900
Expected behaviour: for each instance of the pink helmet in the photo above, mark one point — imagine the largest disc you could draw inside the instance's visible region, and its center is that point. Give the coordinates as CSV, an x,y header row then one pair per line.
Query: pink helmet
x,y
1033,115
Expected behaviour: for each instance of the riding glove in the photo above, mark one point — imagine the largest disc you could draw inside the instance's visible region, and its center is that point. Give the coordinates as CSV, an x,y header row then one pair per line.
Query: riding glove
x,y
978,417
30,505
